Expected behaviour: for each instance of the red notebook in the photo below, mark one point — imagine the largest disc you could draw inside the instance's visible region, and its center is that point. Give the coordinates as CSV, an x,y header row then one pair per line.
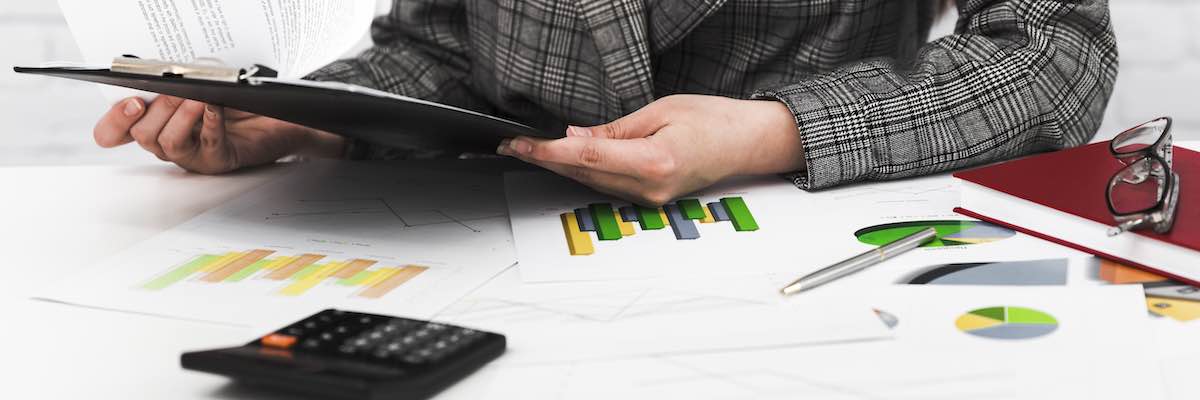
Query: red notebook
x,y
1059,197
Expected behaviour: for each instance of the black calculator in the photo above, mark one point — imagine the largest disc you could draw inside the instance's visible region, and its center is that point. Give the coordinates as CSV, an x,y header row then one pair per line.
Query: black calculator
x,y
349,355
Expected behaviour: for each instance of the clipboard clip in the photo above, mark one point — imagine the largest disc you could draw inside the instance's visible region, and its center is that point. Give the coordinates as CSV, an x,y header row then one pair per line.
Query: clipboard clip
x,y
211,70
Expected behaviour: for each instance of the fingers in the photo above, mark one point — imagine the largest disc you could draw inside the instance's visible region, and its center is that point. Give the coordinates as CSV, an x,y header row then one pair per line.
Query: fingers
x,y
178,137
113,128
639,124
145,132
214,155
625,157
649,192
195,139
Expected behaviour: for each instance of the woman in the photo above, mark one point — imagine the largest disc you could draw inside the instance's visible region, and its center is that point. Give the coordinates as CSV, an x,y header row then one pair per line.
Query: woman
x,y
828,92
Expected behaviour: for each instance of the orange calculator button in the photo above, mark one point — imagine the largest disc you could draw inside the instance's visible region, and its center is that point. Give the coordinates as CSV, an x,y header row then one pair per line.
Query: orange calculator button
x,y
279,341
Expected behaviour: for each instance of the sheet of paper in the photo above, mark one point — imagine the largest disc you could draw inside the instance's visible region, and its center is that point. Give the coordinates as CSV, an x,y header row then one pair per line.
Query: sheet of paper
x,y
598,320
744,226
292,36
405,239
1173,323
1050,343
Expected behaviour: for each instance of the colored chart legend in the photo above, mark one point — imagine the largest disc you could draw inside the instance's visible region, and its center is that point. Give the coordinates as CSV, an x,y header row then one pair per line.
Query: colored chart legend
x,y
295,274
1007,322
681,216
949,233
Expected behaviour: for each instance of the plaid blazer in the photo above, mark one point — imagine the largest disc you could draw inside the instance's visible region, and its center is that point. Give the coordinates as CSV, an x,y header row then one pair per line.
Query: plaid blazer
x,y
872,98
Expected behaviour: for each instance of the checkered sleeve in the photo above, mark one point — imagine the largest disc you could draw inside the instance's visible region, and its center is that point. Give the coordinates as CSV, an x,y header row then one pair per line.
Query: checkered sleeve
x,y
1016,77
425,61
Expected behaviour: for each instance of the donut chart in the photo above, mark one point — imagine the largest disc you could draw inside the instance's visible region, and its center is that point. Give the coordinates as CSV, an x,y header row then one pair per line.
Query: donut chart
x,y
949,232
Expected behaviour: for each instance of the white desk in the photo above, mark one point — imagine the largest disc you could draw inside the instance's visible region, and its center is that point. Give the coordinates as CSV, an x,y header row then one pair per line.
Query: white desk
x,y
57,220
61,219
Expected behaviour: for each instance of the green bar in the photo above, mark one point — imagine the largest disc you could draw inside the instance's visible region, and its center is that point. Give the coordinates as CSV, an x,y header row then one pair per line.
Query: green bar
x,y
649,218
249,270
356,279
304,273
179,274
606,221
691,208
739,214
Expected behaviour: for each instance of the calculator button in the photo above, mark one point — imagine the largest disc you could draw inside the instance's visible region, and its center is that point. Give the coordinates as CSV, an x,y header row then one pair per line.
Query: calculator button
x,y
311,344
278,340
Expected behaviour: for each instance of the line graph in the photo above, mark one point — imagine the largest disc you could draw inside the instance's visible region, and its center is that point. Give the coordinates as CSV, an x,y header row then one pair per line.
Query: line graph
x,y
592,306
408,218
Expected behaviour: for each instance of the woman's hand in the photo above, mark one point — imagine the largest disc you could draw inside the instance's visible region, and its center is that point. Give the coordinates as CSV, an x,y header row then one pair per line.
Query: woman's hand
x,y
209,139
671,147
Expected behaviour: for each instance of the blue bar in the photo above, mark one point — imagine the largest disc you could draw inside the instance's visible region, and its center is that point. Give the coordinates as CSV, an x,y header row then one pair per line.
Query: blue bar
x,y
629,214
685,229
718,211
584,217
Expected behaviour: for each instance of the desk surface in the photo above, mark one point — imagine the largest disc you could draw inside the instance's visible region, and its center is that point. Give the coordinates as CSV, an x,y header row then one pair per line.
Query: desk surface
x,y
78,215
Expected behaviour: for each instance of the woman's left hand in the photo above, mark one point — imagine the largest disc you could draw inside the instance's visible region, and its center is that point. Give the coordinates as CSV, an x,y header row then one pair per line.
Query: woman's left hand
x,y
671,147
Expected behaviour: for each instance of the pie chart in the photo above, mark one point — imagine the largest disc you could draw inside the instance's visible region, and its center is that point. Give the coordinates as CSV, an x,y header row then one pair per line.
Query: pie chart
x,y
949,232
1006,323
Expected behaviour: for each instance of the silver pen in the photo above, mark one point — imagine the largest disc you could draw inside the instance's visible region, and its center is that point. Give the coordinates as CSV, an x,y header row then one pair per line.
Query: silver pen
x,y
859,262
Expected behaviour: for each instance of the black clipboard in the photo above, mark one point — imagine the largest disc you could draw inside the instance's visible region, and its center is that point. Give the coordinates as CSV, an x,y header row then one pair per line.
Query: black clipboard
x,y
351,111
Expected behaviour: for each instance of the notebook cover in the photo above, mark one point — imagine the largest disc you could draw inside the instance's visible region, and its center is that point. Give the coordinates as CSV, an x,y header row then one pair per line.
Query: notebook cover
x,y
1072,245
1074,181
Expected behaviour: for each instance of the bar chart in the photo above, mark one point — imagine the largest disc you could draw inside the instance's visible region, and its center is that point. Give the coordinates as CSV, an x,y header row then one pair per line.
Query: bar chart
x,y
294,275
682,217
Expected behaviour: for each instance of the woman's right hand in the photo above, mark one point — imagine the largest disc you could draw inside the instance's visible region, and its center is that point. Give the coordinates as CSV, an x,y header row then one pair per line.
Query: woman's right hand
x,y
209,139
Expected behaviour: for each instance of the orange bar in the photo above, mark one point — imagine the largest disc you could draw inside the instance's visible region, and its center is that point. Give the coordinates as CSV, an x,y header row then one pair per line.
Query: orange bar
x,y
382,288
293,267
1116,273
353,267
236,265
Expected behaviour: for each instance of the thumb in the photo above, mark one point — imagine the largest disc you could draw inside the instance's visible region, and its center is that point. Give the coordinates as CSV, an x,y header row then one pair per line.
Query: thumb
x,y
639,124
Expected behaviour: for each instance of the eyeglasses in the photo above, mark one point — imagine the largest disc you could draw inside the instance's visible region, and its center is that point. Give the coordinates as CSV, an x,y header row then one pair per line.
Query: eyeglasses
x,y
1144,193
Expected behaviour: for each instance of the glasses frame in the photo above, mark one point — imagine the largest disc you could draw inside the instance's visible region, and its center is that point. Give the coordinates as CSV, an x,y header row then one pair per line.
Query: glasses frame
x,y
1161,215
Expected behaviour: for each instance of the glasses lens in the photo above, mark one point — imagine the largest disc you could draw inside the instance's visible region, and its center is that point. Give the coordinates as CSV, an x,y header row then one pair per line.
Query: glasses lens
x,y
1139,138
1138,187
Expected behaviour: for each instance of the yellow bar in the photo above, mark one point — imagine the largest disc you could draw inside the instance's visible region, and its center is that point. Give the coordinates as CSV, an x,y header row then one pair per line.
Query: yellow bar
x,y
223,261
626,227
578,243
392,282
379,276
234,266
279,262
708,218
663,214
297,264
299,287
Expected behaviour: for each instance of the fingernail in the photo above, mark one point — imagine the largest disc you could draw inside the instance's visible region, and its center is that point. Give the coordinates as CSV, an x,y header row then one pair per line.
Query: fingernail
x,y
578,131
132,108
503,147
209,111
520,146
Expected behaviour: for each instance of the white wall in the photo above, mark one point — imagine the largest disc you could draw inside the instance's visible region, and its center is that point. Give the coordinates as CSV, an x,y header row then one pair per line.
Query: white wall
x,y
49,121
